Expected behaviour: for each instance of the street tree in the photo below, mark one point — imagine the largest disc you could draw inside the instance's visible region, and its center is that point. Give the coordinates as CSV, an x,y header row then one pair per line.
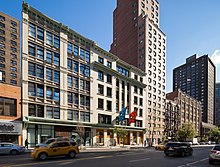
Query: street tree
x,y
215,134
187,131
81,132
121,134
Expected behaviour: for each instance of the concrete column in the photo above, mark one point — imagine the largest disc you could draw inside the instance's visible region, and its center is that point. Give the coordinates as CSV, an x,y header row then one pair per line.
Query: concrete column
x,y
93,136
115,139
138,138
131,137
105,138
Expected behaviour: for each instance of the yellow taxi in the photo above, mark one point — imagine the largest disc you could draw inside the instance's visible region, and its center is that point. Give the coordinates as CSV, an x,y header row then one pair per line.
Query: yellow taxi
x,y
56,148
160,147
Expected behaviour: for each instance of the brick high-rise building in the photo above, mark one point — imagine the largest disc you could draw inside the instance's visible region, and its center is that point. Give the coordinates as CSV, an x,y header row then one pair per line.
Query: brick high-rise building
x,y
197,78
10,86
138,40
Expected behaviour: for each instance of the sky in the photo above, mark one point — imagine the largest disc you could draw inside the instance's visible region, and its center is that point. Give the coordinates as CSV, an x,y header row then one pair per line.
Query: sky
x,y
191,26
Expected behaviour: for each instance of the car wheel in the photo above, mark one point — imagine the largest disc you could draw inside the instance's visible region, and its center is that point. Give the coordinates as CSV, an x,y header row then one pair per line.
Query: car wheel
x,y
14,152
191,153
167,154
211,161
42,156
182,154
72,154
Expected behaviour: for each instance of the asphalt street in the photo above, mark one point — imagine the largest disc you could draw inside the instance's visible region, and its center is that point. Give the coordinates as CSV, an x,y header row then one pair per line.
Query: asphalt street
x,y
130,158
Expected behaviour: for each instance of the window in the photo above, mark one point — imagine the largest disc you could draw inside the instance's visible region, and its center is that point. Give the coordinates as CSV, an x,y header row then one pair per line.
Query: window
x,y
31,49
101,60
13,23
40,33
76,50
49,57
49,74
13,49
135,89
49,112
2,25
85,116
13,43
100,104
56,59
109,105
49,38
100,75
49,93
82,53
13,69
13,36
87,56
40,71
104,119
56,76
100,89
2,32
40,90
14,82
8,107
2,18
56,112
31,89
109,64
76,66
109,78
40,53
56,41
13,75
70,48
35,110
140,112
135,100
2,38
75,82
31,30
109,92
31,69
140,101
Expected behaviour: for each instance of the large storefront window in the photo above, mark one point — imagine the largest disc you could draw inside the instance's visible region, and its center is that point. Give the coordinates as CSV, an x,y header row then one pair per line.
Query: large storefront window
x,y
8,107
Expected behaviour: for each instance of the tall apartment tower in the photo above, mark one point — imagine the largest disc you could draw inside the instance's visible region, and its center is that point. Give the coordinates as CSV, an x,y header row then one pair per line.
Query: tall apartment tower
x,y
197,78
217,106
10,86
138,40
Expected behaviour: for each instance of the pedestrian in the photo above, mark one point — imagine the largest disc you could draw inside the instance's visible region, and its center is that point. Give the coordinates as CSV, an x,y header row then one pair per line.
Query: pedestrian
x,y
26,143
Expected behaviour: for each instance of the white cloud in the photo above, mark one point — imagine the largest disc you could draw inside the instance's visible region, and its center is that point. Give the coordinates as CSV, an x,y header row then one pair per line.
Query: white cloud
x,y
215,57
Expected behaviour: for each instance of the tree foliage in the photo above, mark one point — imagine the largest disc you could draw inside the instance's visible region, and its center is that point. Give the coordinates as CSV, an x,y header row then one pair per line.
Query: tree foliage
x,y
187,131
121,133
81,131
215,134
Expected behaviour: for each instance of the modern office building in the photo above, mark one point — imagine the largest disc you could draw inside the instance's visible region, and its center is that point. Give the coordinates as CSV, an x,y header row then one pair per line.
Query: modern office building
x,y
181,109
197,79
217,104
10,86
70,83
138,40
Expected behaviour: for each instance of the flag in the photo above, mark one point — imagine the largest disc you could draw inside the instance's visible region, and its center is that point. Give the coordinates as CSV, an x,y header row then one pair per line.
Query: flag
x,y
132,116
122,114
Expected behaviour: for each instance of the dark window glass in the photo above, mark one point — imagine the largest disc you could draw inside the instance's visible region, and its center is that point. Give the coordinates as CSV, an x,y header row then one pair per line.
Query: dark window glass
x,y
31,69
40,33
8,107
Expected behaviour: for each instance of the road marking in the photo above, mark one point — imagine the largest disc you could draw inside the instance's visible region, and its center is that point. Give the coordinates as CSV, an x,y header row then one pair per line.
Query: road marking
x,y
139,160
121,155
189,164
60,161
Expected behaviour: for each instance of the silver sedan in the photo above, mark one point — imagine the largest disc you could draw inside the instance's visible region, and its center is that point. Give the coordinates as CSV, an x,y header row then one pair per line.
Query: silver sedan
x,y
10,148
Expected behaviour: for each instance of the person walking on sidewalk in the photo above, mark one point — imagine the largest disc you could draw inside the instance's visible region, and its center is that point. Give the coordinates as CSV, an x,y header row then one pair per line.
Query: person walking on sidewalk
x,y
26,143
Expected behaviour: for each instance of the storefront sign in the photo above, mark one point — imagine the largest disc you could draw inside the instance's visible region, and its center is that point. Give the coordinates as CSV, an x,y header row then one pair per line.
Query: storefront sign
x,y
10,127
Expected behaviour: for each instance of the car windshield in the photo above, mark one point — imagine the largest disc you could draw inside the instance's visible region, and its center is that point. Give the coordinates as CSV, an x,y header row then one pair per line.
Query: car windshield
x,y
50,141
216,148
173,144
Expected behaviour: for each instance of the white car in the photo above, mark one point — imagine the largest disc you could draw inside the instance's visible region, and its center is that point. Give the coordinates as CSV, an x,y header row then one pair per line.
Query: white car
x,y
10,148
214,154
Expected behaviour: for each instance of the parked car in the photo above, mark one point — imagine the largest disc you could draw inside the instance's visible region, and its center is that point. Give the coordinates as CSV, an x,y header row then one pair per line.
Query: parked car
x,y
178,148
55,148
214,155
10,148
160,147
50,140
